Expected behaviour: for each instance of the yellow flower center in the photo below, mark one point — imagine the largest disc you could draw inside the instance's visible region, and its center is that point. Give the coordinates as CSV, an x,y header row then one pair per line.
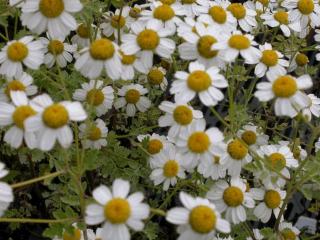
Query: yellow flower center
x,y
216,160
233,196
155,76
17,51
269,58
95,97
239,42
132,96
277,161
249,137
237,10
272,199
204,46
134,12
237,149
117,211
56,47
127,59
199,81
94,134
284,86
199,142
306,6
170,169
218,14
154,146
264,2
76,235
148,39
182,115
163,12
188,1
301,59
51,8
202,219
83,31
281,17
14,85
101,49
21,113
55,116
168,2
288,234
118,21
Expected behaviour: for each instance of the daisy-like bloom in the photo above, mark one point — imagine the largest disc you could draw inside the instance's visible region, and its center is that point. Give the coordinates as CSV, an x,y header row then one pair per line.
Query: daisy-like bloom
x,y
6,193
51,121
115,22
20,52
257,235
271,200
57,51
198,144
212,168
76,234
148,39
307,12
286,89
14,115
156,143
197,45
18,83
117,210
192,8
156,77
199,81
128,65
298,152
198,219
179,116
97,95
299,60
132,97
54,16
237,43
280,18
270,61
288,231
167,167
244,14
82,36
232,199
253,136
94,135
235,157
313,107
164,14
102,54
278,158
94,236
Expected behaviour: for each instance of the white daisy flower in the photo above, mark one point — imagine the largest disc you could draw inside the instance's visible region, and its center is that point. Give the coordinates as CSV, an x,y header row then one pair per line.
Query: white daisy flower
x,y
235,157
252,136
199,81
270,61
271,201
57,51
132,97
198,144
94,135
198,219
179,116
192,8
6,193
51,121
167,167
128,65
22,83
257,235
54,16
117,210
15,115
82,36
245,15
232,199
212,168
94,236
286,89
280,18
20,52
156,143
156,77
197,45
148,39
77,234
97,95
298,60
298,152
237,43
313,107
288,231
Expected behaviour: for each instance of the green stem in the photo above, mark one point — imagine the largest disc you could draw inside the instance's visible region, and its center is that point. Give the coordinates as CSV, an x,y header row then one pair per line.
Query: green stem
x,y
158,212
32,220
